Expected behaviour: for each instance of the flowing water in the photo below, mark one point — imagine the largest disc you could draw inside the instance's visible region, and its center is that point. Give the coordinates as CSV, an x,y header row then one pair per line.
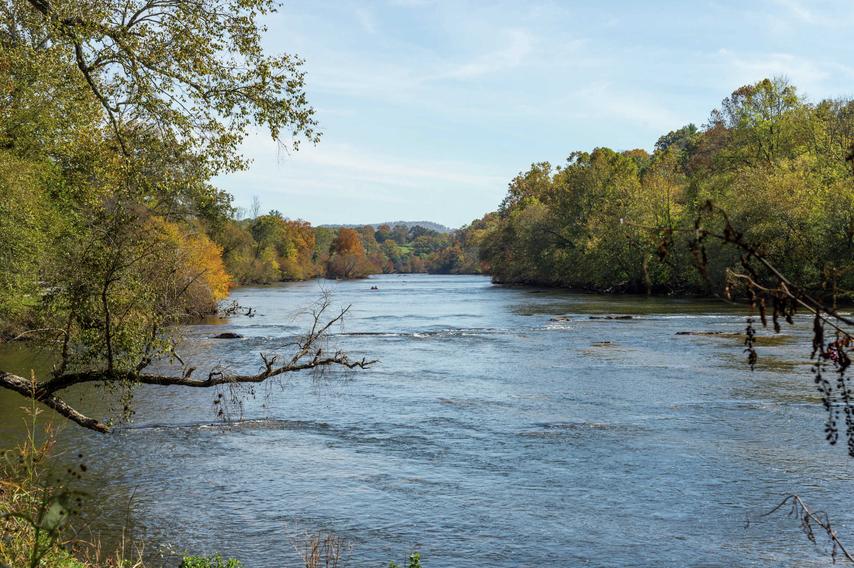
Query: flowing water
x,y
492,433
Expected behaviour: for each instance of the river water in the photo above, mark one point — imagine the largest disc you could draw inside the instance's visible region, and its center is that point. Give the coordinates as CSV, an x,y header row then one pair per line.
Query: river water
x,y
491,433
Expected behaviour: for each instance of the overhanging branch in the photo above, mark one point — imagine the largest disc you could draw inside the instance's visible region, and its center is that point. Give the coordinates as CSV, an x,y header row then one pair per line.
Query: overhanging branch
x,y
309,355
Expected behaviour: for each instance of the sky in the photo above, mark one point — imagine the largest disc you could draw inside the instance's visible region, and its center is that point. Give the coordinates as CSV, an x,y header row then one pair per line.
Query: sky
x,y
429,108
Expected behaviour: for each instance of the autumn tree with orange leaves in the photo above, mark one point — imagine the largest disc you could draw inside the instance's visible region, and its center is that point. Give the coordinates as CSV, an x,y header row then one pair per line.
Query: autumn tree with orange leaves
x,y
347,256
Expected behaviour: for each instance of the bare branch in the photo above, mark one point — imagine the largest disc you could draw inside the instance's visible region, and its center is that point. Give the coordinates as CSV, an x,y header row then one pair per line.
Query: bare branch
x,y
30,389
309,355
29,332
807,519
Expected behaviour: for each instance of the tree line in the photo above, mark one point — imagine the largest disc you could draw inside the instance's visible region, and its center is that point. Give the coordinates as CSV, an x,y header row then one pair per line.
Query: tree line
x,y
622,221
270,248
606,220
626,221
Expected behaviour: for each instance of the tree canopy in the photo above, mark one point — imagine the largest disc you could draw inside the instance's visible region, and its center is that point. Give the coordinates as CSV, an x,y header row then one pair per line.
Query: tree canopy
x,y
605,219
114,116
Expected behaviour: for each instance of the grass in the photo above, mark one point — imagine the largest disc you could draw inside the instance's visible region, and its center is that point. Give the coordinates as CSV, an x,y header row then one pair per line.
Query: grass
x,y
37,513
215,561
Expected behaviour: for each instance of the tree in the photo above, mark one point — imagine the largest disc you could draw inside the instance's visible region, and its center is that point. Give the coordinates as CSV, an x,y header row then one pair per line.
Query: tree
x,y
347,256
115,116
192,74
297,251
682,139
383,233
761,122
400,234
533,184
26,221
347,242
772,160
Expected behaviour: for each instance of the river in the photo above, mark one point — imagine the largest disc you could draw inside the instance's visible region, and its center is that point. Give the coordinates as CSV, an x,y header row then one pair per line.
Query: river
x,y
491,433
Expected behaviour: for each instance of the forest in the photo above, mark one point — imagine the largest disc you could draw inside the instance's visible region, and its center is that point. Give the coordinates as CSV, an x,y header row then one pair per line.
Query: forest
x,y
107,168
623,221
620,221
271,248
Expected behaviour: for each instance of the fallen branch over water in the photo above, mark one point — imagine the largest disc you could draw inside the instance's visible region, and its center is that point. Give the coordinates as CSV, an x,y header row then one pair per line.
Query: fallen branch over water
x,y
309,354
810,521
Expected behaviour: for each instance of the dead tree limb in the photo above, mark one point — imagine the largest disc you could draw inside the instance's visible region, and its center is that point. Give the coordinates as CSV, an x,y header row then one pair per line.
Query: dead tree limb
x,y
309,354
809,520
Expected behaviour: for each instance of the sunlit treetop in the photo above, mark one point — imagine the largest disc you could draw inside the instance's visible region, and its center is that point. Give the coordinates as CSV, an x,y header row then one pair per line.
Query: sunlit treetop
x,y
189,74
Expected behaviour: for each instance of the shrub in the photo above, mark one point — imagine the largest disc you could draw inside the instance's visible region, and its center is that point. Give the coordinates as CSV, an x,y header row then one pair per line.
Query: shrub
x,y
215,561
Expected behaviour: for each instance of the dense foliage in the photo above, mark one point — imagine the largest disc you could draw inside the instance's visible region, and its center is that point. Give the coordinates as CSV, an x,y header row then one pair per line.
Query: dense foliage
x,y
624,221
271,248
114,116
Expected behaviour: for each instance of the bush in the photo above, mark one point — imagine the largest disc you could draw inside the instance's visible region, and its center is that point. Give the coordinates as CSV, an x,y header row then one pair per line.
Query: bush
x,y
414,561
215,561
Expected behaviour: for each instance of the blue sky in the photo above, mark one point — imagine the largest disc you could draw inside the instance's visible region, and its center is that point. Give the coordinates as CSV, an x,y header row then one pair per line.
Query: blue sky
x,y
429,108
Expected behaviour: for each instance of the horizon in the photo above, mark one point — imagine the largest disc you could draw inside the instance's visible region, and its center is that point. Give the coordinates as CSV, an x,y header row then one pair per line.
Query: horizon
x,y
421,222
426,103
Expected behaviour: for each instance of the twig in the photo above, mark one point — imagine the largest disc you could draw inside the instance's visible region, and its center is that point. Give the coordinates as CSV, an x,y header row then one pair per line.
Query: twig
x,y
807,518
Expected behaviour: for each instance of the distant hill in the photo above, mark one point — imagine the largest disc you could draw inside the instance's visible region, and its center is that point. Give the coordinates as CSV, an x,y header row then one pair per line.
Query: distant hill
x,y
408,224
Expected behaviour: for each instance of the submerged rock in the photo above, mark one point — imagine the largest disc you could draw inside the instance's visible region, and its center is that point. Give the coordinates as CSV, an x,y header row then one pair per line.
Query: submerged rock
x,y
622,317
764,340
228,335
560,318
707,333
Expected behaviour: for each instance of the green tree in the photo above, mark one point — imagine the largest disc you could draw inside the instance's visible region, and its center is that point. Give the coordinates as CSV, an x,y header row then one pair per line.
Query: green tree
x,y
116,114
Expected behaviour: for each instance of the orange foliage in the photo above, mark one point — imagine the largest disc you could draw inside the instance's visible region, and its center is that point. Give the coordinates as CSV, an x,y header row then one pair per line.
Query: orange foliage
x,y
297,263
193,263
348,242
348,258
204,258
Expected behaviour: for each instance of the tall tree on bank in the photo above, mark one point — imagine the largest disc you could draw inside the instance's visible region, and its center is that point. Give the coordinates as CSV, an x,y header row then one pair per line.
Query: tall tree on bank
x,y
114,116
347,256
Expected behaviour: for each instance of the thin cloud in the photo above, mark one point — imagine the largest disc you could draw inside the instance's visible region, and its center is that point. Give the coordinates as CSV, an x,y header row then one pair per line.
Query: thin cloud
x,y
514,54
809,75
344,161
428,103
826,16
609,100
395,171
366,19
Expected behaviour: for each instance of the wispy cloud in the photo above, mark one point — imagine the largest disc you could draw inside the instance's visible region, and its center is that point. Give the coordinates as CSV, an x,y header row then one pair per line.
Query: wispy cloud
x,y
426,103
366,19
347,161
410,3
395,171
519,46
608,100
341,183
808,74
826,15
